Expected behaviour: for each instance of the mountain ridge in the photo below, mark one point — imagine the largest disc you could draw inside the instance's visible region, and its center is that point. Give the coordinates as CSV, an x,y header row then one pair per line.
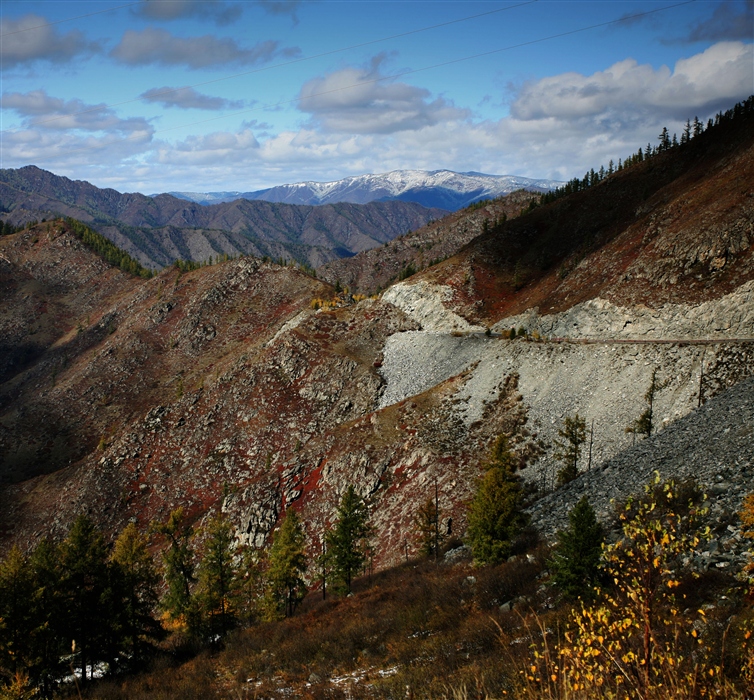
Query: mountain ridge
x,y
158,230
444,189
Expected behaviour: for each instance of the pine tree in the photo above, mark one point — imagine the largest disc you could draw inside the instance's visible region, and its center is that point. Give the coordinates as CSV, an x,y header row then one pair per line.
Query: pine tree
x,y
568,448
348,541
216,577
178,560
137,597
287,565
496,514
576,559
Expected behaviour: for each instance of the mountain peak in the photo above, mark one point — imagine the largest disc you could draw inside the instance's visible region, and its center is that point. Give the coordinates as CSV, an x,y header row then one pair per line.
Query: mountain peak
x,y
445,189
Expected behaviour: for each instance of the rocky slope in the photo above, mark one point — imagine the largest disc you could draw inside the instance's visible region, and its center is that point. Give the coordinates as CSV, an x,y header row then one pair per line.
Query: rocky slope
x,y
223,389
158,230
375,269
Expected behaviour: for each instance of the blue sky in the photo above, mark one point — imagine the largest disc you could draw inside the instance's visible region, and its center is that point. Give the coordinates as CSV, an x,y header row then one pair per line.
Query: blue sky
x,y
208,95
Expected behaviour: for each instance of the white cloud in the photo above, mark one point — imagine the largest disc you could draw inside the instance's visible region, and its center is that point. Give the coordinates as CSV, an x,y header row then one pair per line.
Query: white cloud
x,y
159,47
188,98
220,147
628,91
365,101
32,38
559,127
41,111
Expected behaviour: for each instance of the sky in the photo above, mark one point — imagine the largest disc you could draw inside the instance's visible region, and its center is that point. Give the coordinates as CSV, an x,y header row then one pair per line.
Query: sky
x,y
225,95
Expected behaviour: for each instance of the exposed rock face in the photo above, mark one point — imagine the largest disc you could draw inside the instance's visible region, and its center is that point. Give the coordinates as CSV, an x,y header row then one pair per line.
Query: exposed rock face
x,y
711,445
731,316
425,303
603,382
223,389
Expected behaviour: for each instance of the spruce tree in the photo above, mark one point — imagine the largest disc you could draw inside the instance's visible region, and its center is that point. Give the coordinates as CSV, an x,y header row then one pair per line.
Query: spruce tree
x,y
348,541
496,515
287,565
576,559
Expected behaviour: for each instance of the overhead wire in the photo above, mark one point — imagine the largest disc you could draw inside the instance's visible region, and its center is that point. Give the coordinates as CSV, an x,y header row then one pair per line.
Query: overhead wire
x,y
284,64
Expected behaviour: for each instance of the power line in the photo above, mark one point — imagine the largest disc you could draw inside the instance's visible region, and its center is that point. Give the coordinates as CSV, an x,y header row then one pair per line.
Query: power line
x,y
407,72
284,64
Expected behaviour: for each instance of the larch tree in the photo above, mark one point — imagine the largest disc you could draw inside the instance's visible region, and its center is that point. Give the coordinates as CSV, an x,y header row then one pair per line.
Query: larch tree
x,y
217,581
348,541
496,514
286,587
178,561
568,448
137,595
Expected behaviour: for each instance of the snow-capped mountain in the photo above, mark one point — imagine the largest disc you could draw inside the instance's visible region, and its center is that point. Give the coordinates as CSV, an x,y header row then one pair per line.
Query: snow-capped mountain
x,y
438,188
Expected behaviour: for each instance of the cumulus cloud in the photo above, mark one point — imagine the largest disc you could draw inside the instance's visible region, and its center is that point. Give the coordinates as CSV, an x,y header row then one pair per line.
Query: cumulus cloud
x,y
158,47
221,13
188,98
225,147
729,21
365,101
628,91
32,38
40,110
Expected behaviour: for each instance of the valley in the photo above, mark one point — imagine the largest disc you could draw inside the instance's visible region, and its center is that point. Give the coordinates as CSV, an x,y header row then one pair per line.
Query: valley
x,y
249,389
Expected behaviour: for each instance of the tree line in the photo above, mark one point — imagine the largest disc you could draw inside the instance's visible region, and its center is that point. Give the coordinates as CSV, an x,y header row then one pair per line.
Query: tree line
x,y
692,129
86,608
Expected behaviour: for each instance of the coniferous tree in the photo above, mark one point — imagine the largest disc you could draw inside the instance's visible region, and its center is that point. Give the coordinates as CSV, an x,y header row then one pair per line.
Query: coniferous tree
x,y
644,424
137,594
573,436
348,541
86,590
428,526
576,559
216,577
178,560
250,584
16,620
286,587
48,617
496,515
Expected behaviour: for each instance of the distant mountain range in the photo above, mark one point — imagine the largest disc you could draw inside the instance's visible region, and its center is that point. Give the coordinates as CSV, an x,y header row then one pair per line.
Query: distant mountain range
x,y
442,189
158,230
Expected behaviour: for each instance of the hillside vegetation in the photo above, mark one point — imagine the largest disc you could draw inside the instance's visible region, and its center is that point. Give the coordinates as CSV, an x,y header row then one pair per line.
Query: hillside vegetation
x,y
258,406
